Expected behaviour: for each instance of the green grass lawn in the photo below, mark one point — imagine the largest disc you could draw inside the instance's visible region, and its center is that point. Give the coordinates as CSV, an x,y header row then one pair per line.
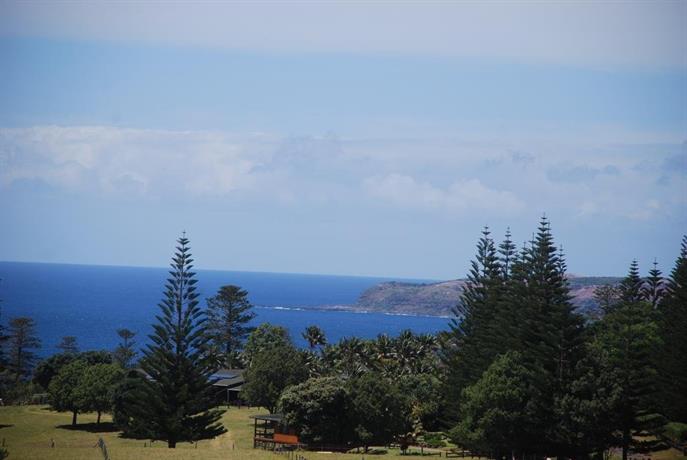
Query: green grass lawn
x,y
29,430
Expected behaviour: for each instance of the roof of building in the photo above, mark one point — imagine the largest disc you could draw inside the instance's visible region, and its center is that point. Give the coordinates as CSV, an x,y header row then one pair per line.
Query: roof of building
x,y
228,378
227,373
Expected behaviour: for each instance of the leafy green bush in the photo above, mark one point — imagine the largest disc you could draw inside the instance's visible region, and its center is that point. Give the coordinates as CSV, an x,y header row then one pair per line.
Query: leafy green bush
x,y
676,432
434,440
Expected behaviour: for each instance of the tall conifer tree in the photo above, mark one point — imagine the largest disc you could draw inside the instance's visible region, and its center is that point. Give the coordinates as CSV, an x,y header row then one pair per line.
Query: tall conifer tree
x,y
124,354
631,286
507,255
652,290
549,333
552,331
629,335
229,315
673,331
22,340
471,347
176,402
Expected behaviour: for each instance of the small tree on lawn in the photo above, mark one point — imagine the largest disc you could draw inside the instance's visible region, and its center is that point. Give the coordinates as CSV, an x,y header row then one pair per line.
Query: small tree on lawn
x,y
96,389
62,388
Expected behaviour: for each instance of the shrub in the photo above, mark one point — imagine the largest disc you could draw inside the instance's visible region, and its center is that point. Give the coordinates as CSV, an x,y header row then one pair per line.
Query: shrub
x,y
676,432
434,440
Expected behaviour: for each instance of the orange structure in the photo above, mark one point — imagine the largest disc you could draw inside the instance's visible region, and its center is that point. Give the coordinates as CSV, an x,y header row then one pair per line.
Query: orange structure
x,y
271,432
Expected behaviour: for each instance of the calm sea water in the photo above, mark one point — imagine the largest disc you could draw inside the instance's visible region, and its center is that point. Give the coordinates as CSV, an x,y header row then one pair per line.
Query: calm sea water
x,y
91,302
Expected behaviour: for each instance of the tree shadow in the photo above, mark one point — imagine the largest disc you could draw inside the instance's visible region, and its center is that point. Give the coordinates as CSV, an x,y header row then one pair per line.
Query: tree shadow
x,y
5,426
104,427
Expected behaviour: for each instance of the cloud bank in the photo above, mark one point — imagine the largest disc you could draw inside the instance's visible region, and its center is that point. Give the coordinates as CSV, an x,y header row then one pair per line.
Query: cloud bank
x,y
441,176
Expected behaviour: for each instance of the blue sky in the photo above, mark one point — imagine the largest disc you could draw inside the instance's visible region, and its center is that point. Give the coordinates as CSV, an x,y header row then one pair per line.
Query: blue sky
x,y
342,138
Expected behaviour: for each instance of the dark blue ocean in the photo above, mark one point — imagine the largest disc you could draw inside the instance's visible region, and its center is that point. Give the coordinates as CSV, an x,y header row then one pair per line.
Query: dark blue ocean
x,y
91,302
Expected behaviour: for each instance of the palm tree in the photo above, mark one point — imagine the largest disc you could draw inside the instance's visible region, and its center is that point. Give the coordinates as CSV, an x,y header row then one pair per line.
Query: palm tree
x,y
385,355
352,357
427,349
314,336
406,350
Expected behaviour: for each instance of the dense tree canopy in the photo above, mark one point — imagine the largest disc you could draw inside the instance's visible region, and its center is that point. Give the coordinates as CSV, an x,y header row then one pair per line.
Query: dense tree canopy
x,y
330,411
265,337
499,413
379,411
594,379
50,367
272,370
320,410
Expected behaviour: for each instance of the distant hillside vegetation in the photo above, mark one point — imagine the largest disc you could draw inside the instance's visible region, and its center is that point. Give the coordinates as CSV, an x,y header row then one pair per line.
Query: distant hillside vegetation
x,y
437,299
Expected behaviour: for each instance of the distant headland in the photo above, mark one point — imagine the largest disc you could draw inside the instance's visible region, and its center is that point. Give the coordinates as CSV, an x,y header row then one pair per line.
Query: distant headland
x,y
438,299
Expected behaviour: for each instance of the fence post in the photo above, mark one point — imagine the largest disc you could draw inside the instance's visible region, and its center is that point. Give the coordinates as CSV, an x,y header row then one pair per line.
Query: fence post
x,y
103,448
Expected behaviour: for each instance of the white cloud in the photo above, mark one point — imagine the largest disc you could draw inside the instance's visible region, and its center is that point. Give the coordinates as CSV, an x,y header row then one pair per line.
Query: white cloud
x,y
468,194
118,160
598,33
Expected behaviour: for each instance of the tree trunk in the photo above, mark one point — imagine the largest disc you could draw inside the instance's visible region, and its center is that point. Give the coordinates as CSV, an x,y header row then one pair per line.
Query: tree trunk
x,y
18,364
172,444
74,418
626,442
98,421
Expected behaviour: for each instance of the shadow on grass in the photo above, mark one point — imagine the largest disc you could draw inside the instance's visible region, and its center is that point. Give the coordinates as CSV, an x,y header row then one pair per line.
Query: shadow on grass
x,y
5,426
104,427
